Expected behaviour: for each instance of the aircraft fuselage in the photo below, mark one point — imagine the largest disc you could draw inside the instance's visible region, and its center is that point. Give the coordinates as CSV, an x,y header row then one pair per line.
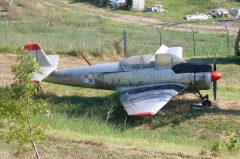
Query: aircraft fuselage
x,y
110,76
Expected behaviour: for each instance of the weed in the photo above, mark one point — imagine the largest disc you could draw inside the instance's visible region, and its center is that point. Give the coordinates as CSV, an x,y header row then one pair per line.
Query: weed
x,y
216,149
8,49
203,152
231,142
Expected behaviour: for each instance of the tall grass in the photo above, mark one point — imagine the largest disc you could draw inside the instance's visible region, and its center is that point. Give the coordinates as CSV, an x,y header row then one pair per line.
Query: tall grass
x,y
100,39
67,32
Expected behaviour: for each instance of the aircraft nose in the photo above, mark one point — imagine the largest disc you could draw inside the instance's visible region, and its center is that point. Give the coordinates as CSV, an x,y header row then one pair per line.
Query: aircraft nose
x,y
215,76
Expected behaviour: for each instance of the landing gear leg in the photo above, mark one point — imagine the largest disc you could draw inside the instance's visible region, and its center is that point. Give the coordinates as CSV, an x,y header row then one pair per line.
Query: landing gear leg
x,y
39,88
206,103
205,100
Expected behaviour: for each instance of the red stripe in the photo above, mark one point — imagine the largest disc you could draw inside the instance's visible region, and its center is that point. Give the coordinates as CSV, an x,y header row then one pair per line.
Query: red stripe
x,y
34,81
143,114
30,47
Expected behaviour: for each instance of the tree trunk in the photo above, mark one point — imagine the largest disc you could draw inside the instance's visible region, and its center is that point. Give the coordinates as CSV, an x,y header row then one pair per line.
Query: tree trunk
x,y
30,132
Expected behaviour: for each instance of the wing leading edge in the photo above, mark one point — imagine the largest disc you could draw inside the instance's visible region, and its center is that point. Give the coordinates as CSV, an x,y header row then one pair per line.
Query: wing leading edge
x,y
148,100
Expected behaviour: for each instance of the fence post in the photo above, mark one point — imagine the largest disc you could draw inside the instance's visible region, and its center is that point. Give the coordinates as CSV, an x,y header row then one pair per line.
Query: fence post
x,y
125,42
86,38
194,43
227,38
160,36
10,3
47,34
6,32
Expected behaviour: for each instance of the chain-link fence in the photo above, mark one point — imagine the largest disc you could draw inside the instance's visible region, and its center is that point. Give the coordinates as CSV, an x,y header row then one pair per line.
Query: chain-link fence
x,y
101,39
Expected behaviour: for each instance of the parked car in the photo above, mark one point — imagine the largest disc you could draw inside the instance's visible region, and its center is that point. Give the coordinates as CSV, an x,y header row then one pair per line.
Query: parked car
x,y
117,3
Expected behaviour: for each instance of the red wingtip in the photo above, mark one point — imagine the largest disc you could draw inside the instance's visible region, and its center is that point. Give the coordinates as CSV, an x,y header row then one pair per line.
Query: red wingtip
x,y
143,114
34,81
30,47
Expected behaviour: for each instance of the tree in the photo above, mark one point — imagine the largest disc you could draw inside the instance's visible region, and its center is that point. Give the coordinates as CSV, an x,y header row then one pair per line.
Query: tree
x,y
3,4
18,106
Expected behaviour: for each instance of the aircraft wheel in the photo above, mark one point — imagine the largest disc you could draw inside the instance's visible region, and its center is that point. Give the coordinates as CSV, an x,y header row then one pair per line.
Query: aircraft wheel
x,y
207,103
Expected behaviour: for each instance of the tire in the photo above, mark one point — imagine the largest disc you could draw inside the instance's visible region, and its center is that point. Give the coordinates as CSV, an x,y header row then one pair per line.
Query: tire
x,y
207,103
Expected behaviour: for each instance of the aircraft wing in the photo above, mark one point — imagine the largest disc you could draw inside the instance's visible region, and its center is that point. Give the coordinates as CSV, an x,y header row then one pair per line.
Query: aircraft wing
x,y
148,100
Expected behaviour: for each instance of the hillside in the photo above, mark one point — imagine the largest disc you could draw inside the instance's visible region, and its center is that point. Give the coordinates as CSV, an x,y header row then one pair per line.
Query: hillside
x,y
61,28
88,123
178,9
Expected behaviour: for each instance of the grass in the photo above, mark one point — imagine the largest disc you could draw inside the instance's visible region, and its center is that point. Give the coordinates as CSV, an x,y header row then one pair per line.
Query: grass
x,y
177,10
228,85
78,123
84,112
80,114
101,41
67,32
180,130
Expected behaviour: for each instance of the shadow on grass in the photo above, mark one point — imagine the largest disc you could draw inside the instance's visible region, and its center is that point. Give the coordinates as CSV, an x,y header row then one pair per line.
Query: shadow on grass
x,y
109,109
82,1
92,2
178,111
219,60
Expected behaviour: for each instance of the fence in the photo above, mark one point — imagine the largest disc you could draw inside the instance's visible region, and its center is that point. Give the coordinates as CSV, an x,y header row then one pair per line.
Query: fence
x,y
99,38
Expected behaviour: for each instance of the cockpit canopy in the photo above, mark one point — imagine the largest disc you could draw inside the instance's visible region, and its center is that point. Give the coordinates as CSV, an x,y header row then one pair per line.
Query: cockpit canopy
x,y
157,61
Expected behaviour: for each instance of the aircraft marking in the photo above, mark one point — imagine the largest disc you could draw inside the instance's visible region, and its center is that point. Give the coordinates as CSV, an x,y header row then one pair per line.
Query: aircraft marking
x,y
88,78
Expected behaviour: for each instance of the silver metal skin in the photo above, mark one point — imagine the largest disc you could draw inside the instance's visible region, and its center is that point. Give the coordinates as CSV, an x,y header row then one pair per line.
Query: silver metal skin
x,y
112,77
144,91
146,82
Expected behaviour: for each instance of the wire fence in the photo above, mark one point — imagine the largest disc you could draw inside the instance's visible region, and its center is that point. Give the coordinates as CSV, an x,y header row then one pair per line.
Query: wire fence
x,y
102,39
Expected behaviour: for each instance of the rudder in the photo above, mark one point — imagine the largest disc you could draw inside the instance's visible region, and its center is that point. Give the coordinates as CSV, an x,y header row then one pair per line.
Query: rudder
x,y
47,63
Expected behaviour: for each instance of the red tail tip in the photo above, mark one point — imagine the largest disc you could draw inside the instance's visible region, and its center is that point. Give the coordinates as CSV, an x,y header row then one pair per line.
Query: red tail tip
x,y
215,75
30,47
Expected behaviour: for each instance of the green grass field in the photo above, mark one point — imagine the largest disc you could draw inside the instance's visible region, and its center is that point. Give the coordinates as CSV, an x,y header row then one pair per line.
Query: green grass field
x,y
177,10
87,123
92,123
67,32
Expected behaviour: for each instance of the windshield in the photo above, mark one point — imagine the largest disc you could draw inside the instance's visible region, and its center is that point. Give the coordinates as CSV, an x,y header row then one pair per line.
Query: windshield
x,y
140,62
167,60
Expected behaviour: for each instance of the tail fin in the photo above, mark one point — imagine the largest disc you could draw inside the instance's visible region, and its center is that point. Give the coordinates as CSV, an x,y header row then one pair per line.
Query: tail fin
x,y
47,63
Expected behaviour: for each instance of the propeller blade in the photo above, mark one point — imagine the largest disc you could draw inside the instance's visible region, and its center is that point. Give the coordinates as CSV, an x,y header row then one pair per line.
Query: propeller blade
x,y
215,90
214,63
215,82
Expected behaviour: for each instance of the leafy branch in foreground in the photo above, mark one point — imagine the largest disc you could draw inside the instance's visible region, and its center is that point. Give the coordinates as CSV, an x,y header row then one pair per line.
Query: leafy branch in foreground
x,y
18,106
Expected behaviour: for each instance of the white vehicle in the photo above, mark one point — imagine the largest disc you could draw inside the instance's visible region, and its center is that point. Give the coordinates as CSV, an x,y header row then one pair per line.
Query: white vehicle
x,y
117,3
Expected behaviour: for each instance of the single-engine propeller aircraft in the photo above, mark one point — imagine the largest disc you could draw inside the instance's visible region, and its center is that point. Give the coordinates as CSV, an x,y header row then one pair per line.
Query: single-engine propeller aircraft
x,y
146,82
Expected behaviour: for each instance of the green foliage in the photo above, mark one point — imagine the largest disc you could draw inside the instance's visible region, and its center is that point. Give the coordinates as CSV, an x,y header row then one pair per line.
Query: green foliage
x,y
216,149
232,142
3,4
18,106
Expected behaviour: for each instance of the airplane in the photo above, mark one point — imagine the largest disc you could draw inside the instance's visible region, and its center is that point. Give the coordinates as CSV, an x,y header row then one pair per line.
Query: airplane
x,y
146,82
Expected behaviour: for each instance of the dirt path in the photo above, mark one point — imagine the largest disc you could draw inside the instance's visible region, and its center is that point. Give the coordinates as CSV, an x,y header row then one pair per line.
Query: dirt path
x,y
93,149
216,27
